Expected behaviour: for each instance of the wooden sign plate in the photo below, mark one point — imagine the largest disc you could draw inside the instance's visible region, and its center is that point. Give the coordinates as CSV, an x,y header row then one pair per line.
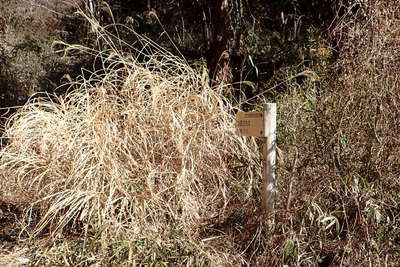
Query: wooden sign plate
x,y
250,123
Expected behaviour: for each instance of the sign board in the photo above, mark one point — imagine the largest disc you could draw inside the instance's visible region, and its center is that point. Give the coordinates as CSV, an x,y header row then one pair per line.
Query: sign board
x,y
250,123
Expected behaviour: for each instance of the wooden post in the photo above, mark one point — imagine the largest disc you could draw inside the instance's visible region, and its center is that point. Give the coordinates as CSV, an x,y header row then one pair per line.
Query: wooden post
x,y
263,124
269,156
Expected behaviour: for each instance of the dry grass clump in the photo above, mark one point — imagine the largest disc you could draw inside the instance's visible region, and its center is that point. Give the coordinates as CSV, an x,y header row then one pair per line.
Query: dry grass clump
x,y
139,163
139,159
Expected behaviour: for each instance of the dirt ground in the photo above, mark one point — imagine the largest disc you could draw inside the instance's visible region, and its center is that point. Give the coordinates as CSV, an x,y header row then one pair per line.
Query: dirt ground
x,y
11,254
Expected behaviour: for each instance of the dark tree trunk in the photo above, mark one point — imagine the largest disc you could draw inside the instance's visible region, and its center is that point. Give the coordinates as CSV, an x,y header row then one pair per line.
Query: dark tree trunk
x,y
217,61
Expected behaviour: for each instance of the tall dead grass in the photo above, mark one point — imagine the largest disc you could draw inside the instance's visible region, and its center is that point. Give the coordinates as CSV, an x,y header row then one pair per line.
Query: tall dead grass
x,y
141,163
339,183
142,153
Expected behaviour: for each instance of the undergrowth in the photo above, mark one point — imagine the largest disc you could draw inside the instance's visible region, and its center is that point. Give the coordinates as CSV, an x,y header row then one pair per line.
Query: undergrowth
x,y
140,163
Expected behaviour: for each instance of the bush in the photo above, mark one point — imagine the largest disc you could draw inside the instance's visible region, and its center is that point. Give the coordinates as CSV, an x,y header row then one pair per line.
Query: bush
x,y
143,151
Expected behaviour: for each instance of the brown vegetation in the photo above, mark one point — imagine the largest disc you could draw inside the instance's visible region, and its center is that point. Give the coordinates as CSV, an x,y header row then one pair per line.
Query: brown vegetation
x,y
139,163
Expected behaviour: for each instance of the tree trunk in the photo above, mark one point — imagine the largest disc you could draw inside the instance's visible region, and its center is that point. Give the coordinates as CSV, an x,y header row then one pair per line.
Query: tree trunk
x,y
217,60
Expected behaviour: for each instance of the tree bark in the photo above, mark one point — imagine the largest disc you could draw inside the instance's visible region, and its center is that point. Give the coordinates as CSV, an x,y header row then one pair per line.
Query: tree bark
x,y
217,61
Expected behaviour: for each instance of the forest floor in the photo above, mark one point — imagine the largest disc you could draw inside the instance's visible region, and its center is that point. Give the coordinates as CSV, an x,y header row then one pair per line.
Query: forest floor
x,y
11,253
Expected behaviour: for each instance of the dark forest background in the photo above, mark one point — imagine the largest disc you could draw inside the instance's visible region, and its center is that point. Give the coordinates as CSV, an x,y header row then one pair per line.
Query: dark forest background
x,y
252,40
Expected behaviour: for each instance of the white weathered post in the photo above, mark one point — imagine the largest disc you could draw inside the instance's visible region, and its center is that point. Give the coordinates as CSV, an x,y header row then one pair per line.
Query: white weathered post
x,y
269,158
263,124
